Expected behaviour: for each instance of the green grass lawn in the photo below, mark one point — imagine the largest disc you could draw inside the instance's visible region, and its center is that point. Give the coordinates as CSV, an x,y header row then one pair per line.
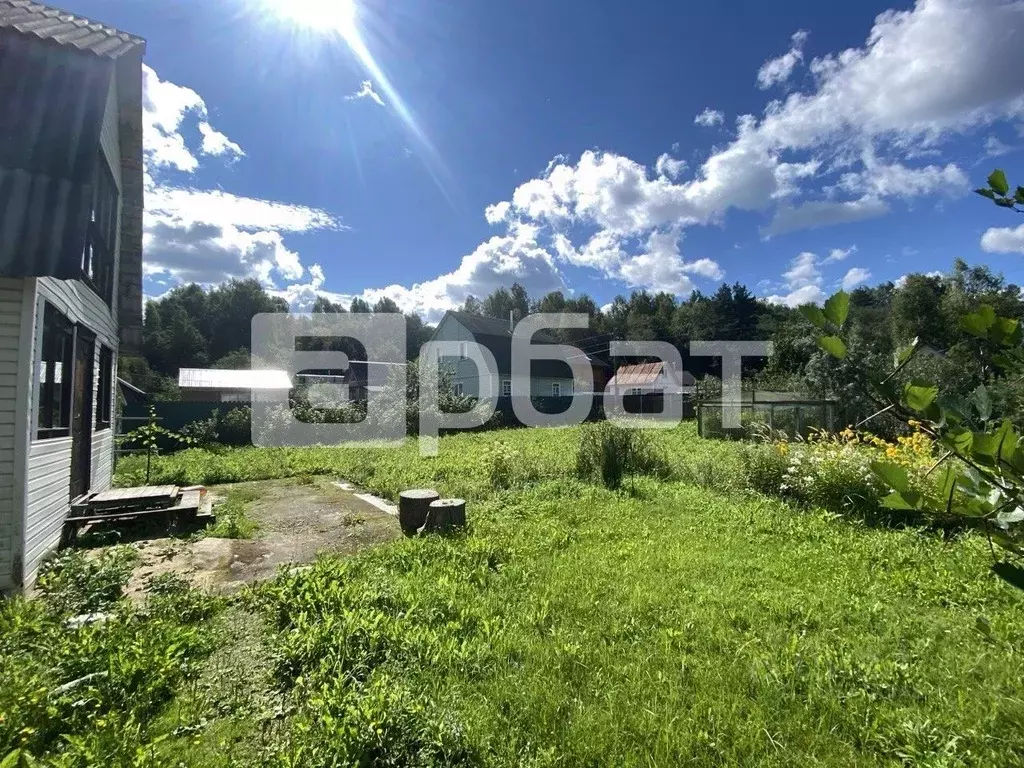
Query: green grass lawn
x,y
683,622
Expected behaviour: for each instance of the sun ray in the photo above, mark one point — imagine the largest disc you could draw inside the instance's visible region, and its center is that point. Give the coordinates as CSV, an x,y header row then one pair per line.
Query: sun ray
x,y
340,18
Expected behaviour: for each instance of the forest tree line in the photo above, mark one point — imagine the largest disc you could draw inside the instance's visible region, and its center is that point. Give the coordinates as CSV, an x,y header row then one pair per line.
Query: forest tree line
x,y
196,327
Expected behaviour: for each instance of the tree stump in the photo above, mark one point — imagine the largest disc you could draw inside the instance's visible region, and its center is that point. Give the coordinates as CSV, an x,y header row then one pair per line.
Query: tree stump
x,y
413,506
445,515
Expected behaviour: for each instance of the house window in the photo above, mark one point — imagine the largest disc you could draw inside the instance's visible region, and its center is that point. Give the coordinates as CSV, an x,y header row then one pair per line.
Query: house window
x,y
458,389
556,389
54,395
506,387
104,388
101,233
463,347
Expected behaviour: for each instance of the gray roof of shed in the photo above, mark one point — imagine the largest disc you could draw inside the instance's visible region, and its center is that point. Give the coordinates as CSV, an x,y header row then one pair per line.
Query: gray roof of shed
x,y
66,29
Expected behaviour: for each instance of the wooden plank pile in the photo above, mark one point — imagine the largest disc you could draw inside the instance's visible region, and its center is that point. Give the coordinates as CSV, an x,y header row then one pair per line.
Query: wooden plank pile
x,y
168,503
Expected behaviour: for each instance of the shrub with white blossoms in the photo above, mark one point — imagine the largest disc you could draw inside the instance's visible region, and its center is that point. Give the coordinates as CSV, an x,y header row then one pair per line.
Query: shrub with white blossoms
x,y
833,476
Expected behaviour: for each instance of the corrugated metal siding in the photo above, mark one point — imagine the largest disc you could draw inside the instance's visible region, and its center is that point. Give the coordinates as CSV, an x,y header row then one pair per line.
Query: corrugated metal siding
x,y
54,102
11,292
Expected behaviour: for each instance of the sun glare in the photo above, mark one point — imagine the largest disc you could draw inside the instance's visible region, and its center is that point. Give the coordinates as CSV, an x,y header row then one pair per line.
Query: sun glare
x,y
324,16
341,19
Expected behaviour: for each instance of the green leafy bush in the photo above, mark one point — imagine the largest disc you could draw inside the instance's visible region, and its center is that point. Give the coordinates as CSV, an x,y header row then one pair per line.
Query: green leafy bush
x,y
236,426
202,433
607,453
764,468
79,692
75,583
833,477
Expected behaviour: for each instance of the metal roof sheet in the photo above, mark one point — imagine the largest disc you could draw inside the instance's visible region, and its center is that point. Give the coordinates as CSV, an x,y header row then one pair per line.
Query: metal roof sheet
x,y
53,102
217,378
643,374
66,29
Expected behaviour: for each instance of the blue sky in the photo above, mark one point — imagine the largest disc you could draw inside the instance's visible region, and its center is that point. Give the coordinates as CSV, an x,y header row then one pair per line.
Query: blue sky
x,y
577,145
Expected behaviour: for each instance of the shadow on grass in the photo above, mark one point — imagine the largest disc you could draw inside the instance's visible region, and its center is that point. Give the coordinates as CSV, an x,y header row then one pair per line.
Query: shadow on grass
x,y
1010,573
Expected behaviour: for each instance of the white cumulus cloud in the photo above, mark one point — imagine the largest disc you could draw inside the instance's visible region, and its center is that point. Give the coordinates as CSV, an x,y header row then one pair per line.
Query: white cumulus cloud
x,y
709,117
777,71
856,276
1003,240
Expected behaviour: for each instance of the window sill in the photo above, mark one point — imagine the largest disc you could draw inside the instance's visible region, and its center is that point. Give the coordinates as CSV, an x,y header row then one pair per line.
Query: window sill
x,y
59,434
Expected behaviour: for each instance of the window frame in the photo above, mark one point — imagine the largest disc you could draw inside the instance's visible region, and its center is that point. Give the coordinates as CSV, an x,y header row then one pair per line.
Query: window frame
x,y
104,388
458,389
62,329
506,387
98,251
556,389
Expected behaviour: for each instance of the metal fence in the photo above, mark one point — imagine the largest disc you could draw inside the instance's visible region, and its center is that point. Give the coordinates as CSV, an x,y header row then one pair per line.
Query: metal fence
x,y
794,418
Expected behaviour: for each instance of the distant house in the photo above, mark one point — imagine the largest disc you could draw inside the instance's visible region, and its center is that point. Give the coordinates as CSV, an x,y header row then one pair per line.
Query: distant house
x,y
215,385
71,199
646,378
547,378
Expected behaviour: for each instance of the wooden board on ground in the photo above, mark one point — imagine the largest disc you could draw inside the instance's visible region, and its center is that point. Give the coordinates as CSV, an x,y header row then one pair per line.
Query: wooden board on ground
x,y
187,505
143,497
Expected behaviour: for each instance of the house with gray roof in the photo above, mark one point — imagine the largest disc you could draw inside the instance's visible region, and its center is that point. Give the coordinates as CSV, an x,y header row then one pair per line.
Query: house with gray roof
x,y
71,200
546,378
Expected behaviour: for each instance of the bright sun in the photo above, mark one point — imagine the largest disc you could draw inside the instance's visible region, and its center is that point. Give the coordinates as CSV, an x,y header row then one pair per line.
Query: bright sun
x,y
324,16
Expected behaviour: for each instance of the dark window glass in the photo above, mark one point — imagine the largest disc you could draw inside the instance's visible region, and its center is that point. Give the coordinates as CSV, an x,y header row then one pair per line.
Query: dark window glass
x,y
104,388
101,235
54,396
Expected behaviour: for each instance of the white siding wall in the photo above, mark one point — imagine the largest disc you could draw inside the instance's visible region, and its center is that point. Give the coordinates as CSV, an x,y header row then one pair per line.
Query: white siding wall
x,y
11,362
48,471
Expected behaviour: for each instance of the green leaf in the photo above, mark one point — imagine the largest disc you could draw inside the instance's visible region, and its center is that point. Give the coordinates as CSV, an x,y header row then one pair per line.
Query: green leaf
x,y
904,500
1019,196
983,626
949,480
1005,202
814,315
1011,516
1005,331
985,447
892,475
1008,439
978,323
904,354
997,180
837,308
919,395
19,758
834,346
959,439
986,193
982,402
1007,542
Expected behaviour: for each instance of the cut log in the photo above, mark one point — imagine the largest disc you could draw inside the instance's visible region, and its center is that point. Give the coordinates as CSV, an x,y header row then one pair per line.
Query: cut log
x,y
445,515
413,506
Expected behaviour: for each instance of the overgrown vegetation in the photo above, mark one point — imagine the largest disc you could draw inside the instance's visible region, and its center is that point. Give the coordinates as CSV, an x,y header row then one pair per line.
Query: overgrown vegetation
x,y
232,521
84,672
581,626
608,453
692,619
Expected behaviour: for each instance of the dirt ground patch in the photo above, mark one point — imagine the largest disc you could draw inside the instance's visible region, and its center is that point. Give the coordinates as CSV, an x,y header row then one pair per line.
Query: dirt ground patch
x,y
298,519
